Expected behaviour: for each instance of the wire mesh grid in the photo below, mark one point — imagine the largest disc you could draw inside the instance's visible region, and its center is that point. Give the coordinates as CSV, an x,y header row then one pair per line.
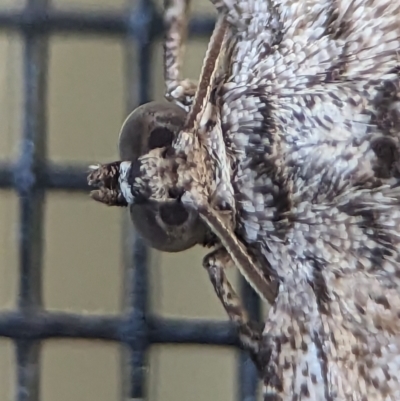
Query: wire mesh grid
x,y
31,175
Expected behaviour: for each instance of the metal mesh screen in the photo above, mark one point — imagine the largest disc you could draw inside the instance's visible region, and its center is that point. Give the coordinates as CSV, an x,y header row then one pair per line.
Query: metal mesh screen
x,y
31,175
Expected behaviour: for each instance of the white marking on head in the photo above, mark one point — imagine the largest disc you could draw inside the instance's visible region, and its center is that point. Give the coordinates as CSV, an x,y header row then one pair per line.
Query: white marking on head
x,y
124,170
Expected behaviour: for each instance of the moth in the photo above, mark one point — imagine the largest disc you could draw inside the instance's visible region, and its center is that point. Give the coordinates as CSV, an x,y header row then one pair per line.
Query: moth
x,y
284,158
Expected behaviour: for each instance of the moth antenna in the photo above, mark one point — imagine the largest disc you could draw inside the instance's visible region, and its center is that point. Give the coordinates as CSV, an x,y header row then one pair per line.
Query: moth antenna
x,y
207,76
265,288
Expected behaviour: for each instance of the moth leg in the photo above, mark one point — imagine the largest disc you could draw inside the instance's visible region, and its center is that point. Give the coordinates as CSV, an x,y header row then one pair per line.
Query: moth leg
x,y
262,281
250,333
178,90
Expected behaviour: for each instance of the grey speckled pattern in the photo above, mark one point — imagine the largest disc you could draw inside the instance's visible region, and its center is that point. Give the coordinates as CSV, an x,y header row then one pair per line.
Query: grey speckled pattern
x,y
292,160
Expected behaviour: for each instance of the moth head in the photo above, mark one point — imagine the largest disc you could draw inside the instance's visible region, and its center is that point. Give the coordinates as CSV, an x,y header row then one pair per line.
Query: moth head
x,y
144,139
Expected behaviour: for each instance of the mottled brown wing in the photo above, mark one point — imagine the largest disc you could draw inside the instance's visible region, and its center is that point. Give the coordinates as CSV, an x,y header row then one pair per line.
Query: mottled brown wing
x,y
311,110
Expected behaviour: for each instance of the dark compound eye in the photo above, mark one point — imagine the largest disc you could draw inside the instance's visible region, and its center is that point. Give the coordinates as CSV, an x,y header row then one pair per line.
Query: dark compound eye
x,y
150,126
173,215
160,137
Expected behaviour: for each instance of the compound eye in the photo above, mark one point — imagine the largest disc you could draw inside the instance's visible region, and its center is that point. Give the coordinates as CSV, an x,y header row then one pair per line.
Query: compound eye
x,y
173,215
160,137
149,126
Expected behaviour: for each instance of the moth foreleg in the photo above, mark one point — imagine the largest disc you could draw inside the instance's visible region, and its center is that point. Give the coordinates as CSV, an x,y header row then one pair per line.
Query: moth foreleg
x,y
248,267
250,332
178,90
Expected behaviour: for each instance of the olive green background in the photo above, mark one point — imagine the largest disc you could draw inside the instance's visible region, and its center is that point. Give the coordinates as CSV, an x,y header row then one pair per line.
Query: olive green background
x,y
83,269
